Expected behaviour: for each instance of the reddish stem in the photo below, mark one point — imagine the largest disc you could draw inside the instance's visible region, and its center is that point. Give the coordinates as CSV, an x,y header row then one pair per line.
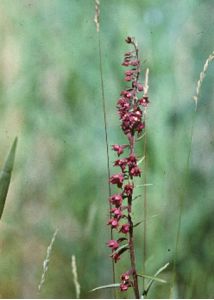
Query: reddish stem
x,y
132,251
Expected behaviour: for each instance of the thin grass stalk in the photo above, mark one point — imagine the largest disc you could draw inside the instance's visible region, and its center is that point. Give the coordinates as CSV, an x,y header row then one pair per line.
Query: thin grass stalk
x,y
145,213
97,22
75,276
201,78
182,197
46,261
146,88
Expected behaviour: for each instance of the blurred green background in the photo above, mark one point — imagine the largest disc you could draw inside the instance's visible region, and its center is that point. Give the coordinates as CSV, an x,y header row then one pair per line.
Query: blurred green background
x,y
50,98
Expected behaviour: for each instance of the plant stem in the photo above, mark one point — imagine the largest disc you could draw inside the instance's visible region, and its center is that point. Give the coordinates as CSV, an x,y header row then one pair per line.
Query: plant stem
x,y
106,139
145,212
132,251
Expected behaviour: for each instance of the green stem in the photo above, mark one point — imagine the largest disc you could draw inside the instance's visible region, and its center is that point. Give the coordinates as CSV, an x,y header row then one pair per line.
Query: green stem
x,y
145,210
181,206
106,139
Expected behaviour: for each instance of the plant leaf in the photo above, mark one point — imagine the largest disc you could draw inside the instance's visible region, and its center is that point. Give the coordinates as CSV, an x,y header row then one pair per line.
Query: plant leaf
x,y
152,278
122,239
138,223
161,269
142,185
140,160
145,292
5,175
108,286
121,249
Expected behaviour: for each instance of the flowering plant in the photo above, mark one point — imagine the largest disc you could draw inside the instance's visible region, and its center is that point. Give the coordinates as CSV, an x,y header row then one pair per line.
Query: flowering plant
x,y
131,108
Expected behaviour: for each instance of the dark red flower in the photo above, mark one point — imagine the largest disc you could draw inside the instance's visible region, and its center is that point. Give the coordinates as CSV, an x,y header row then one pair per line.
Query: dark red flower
x,y
135,63
126,63
117,179
115,257
129,73
113,244
135,171
125,228
127,94
119,149
128,189
140,87
116,199
117,213
144,101
140,127
123,104
113,222
128,78
124,287
132,160
125,276
121,163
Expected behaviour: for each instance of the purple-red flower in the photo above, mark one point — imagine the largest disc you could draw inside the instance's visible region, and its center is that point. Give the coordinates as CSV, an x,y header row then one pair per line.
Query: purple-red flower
x,y
125,276
117,179
144,101
115,257
117,213
113,222
119,149
125,281
124,287
140,87
128,189
113,244
125,228
116,199
135,171
121,163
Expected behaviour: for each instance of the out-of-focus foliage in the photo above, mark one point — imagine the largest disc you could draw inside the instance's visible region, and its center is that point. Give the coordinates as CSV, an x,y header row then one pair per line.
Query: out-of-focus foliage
x,y
5,175
50,98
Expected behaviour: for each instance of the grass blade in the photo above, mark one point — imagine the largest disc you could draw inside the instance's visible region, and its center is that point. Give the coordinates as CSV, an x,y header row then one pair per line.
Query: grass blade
x,y
152,278
5,175
155,278
47,260
108,286
75,276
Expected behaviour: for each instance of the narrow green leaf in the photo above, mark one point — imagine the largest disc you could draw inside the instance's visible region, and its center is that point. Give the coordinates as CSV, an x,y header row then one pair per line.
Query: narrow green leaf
x,y
161,269
108,286
141,185
138,223
152,278
140,160
5,175
140,137
121,249
145,292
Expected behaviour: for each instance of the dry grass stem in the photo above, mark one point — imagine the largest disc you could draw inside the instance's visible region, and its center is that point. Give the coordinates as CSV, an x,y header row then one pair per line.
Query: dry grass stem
x,y
97,22
145,184
75,276
46,261
201,77
97,15
146,83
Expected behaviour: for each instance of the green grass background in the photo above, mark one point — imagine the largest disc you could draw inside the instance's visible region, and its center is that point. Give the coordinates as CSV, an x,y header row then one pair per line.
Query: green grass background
x,y
50,98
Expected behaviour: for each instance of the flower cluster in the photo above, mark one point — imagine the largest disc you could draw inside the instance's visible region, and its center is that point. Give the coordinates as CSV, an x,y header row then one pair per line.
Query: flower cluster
x,y
130,106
